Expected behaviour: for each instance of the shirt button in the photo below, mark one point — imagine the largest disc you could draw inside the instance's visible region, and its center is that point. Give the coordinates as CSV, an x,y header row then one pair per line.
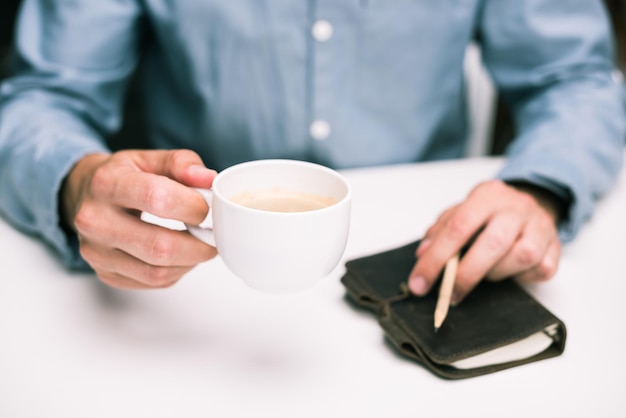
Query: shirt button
x,y
322,30
319,129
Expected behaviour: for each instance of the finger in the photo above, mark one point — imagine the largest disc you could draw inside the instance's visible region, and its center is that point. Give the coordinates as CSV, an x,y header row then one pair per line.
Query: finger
x,y
547,268
456,230
147,192
528,251
121,282
149,243
423,246
116,266
437,225
432,231
184,166
488,248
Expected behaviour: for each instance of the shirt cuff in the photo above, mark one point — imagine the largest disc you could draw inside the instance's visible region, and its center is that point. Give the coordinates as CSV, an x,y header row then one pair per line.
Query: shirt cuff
x,y
49,176
565,183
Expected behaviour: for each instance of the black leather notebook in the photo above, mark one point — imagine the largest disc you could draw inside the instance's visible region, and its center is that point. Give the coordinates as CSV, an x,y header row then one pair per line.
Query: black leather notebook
x,y
497,326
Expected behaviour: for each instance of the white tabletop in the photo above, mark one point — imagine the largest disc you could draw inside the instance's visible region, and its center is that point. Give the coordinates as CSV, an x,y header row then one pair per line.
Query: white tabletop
x,y
211,347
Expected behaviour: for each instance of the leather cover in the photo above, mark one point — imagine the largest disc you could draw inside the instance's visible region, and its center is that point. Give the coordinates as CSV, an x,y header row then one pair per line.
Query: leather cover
x,y
493,315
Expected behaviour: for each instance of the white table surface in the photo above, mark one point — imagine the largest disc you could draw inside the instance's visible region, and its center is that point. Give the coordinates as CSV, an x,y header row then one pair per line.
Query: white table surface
x,y
211,347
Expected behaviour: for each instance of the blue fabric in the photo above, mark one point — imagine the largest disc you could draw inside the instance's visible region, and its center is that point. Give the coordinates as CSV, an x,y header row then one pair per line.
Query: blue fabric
x,y
244,79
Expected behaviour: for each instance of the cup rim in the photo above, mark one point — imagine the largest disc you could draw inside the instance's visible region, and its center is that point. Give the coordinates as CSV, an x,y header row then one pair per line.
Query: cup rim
x,y
346,198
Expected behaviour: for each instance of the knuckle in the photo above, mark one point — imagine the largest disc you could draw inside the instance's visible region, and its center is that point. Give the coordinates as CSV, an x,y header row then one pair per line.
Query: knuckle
x,y
528,254
457,226
546,269
487,188
85,219
546,223
110,280
88,254
158,200
100,181
160,277
494,185
162,249
181,156
497,240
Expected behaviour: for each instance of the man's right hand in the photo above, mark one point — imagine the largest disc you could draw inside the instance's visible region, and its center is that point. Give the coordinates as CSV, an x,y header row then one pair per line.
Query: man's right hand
x,y
102,199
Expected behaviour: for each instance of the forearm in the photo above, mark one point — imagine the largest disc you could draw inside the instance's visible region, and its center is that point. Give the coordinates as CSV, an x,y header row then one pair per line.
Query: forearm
x,y
63,100
553,66
571,142
39,144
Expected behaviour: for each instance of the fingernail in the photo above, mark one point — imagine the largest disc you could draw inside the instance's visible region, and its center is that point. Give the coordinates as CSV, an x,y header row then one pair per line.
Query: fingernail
x,y
418,285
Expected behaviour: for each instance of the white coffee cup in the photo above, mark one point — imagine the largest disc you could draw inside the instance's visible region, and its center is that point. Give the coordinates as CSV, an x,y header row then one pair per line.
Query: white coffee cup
x,y
278,251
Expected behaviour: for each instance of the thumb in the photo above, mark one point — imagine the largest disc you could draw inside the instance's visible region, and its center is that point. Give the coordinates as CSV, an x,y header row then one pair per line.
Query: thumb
x,y
183,166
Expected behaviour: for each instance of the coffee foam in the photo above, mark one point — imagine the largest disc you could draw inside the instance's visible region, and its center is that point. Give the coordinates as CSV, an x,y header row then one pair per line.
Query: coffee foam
x,y
281,200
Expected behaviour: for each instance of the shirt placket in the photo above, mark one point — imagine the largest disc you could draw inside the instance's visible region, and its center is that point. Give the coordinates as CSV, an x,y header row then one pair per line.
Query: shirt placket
x,y
323,32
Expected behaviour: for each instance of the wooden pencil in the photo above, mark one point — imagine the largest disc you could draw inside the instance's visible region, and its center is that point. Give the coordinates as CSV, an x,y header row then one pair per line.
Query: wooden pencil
x,y
445,291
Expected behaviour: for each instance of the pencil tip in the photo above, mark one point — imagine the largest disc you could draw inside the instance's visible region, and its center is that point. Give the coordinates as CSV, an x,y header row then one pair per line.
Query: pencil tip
x,y
436,329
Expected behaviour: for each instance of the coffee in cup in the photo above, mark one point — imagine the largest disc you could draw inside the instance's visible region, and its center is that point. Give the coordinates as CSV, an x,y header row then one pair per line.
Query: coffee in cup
x,y
279,225
281,200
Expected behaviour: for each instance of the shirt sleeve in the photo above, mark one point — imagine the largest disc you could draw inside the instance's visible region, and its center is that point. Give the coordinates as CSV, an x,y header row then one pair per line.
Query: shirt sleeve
x,y
553,64
73,60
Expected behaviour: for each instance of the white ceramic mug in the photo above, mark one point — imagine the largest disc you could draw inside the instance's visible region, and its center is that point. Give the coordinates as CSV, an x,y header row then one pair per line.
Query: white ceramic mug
x,y
277,251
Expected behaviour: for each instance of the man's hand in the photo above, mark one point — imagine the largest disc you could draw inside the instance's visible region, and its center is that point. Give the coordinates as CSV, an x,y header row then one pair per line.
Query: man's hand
x,y
102,199
515,236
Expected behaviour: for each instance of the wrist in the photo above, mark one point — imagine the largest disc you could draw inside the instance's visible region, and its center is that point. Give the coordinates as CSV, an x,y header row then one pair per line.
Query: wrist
x,y
556,205
74,185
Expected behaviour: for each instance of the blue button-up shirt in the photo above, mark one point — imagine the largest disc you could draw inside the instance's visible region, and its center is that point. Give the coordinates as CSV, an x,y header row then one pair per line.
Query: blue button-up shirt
x,y
344,83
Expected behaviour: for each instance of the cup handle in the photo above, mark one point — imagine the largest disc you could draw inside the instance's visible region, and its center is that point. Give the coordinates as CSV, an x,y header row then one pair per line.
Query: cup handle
x,y
204,231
